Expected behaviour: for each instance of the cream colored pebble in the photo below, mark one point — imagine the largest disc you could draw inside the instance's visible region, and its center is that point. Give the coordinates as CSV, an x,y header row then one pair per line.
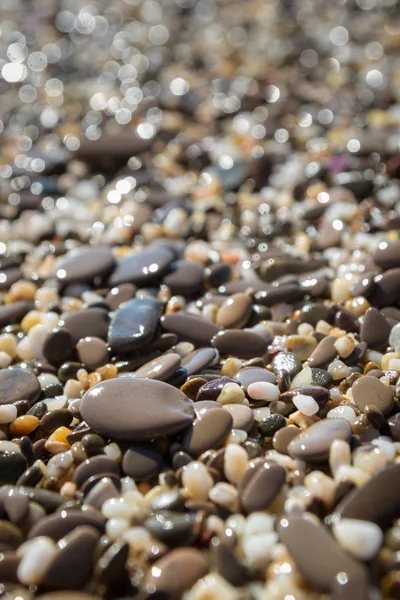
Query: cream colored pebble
x,y
259,522
225,495
50,320
231,367
305,329
36,337
321,486
345,345
340,290
257,548
72,389
231,393
32,318
69,489
394,364
24,351
338,370
387,359
236,462
36,557
8,344
354,474
323,327
213,587
197,481
138,538
5,360
46,297
115,528
8,413
113,451
371,461
236,436
339,455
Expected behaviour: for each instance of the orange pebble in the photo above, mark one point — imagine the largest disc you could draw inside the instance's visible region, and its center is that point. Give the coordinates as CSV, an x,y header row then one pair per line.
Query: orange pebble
x,y
24,425
60,436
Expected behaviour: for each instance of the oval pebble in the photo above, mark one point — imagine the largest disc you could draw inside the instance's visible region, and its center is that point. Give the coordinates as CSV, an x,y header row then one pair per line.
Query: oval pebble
x,y
239,342
263,390
136,409
260,485
207,432
18,384
314,443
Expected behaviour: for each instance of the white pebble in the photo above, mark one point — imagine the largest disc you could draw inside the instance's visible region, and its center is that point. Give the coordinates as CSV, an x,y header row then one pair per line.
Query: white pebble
x,y
259,522
50,320
24,349
36,557
362,539
59,464
263,390
113,451
8,412
46,379
9,446
342,412
231,393
306,404
55,403
394,338
339,455
236,436
197,480
213,586
45,297
371,461
115,528
236,462
321,486
338,370
117,508
257,548
36,336
387,446
301,379
72,389
5,360
354,474
225,495
394,364
261,413
138,538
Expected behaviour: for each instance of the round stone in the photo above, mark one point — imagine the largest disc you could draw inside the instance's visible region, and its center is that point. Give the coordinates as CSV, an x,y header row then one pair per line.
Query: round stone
x,y
83,266
18,384
136,409
371,391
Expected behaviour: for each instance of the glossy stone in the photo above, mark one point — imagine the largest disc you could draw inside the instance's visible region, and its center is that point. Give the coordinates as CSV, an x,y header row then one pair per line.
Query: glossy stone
x,y
134,325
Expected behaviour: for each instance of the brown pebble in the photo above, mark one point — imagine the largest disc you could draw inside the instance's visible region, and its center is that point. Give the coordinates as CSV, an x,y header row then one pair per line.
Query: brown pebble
x,y
370,390
314,443
239,342
177,572
235,311
192,386
207,432
260,485
283,437
92,352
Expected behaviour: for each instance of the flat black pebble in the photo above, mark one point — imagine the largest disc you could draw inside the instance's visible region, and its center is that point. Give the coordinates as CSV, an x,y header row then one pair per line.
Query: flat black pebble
x,y
58,346
12,465
134,325
172,528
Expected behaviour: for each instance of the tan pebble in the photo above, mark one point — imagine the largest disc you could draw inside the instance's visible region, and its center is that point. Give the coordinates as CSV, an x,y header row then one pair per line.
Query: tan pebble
x,y
46,297
213,587
338,370
56,447
231,367
72,389
370,366
197,481
71,304
236,462
83,378
353,474
94,379
321,486
231,393
337,333
68,489
113,451
236,436
225,495
46,268
339,455
108,371
340,290
33,317
386,358
301,420
345,345
21,290
305,329
323,327
301,346
24,425
144,487
371,461
8,344
358,305
210,312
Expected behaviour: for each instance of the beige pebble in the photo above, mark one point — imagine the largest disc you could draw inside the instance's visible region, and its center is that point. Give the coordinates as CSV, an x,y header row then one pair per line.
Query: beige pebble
x,y
353,474
339,455
323,327
72,389
231,393
345,345
8,344
371,461
46,297
5,360
231,367
236,462
36,556
301,346
213,587
33,317
225,495
387,358
321,486
197,481
24,351
340,290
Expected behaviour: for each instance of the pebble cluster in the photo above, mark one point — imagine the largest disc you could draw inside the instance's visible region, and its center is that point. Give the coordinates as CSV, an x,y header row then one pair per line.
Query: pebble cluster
x,y
200,300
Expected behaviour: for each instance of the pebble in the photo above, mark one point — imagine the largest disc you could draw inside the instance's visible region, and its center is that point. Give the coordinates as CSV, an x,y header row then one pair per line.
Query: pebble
x,y
239,342
177,572
92,352
314,443
144,267
260,485
371,391
90,322
360,538
133,325
387,255
324,353
136,409
263,390
250,375
185,278
18,384
243,417
288,362
142,462
196,361
12,465
375,329
161,368
190,328
235,312
305,404
208,431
